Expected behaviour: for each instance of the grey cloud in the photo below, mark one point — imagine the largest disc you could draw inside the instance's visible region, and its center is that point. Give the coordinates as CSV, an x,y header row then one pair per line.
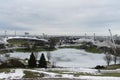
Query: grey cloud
x,y
61,15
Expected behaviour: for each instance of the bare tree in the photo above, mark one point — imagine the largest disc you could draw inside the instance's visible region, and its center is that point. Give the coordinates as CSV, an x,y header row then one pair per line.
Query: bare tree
x,y
53,64
108,58
48,56
115,53
118,53
36,55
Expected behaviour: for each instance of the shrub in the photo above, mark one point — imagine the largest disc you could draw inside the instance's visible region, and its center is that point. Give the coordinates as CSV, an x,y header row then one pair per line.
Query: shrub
x,y
99,67
12,63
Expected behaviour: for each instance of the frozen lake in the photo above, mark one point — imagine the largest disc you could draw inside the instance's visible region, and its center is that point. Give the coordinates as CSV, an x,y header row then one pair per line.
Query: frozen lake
x,y
69,58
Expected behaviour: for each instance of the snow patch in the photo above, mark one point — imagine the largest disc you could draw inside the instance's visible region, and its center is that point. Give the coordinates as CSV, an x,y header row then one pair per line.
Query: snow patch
x,y
13,74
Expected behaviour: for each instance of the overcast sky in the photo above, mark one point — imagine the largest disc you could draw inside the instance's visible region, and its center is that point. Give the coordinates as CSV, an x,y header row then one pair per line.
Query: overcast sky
x,y
60,17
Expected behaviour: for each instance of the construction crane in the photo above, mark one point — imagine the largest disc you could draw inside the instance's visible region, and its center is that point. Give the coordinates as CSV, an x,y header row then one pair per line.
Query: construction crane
x,y
113,41
114,46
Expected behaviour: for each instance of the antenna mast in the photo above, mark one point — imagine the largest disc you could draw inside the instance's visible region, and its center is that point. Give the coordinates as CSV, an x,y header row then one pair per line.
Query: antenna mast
x,y
114,49
112,39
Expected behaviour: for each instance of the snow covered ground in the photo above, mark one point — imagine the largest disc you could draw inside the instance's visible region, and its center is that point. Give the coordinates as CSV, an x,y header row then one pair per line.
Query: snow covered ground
x,y
69,58
98,78
18,74
13,74
75,61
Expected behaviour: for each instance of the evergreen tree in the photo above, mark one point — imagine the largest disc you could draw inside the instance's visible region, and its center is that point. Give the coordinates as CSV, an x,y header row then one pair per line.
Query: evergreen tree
x,y
42,62
32,61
